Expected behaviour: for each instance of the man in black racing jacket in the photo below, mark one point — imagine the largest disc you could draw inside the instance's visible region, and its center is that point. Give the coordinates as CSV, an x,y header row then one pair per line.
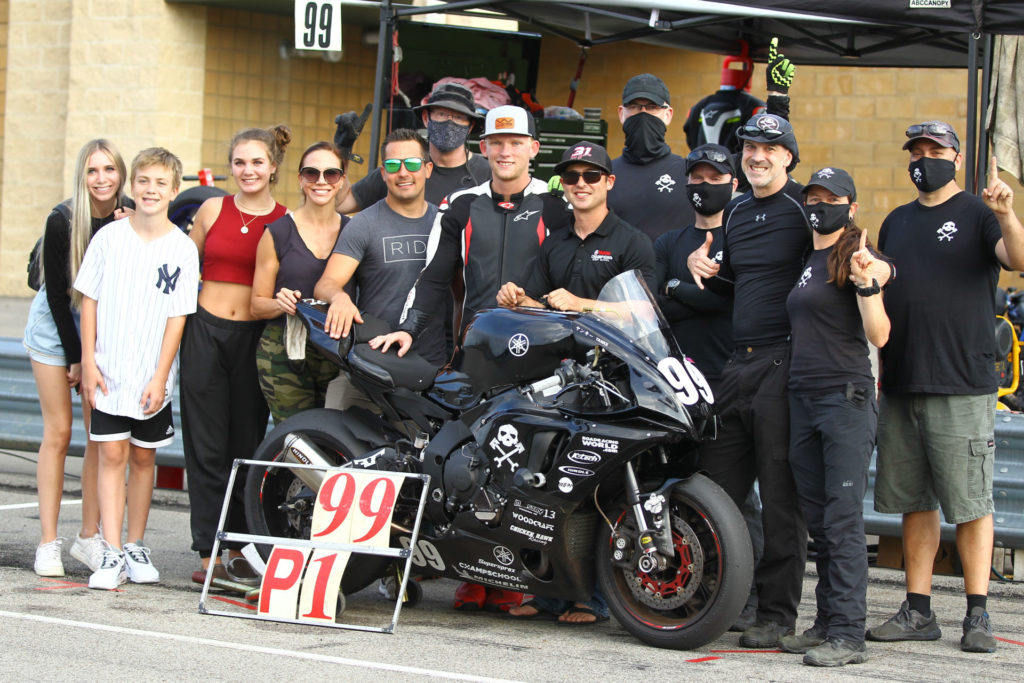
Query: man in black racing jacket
x,y
493,232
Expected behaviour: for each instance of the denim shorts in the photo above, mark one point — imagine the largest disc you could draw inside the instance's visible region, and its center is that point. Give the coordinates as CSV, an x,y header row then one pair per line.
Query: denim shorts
x,y
41,339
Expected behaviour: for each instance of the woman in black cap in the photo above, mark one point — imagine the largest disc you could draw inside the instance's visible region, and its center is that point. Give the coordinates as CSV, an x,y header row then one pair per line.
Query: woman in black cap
x,y
835,309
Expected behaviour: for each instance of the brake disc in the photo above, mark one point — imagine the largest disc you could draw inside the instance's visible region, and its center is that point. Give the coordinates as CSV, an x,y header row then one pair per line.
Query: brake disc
x,y
676,584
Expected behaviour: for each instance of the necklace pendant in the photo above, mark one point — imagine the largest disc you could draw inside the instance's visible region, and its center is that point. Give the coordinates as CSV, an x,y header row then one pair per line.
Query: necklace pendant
x,y
245,229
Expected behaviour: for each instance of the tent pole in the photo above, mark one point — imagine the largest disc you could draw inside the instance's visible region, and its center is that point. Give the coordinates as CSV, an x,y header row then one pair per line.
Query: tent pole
x,y
986,80
970,176
382,86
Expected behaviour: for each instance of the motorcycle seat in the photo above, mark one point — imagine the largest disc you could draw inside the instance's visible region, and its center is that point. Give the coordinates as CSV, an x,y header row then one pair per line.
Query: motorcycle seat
x,y
411,371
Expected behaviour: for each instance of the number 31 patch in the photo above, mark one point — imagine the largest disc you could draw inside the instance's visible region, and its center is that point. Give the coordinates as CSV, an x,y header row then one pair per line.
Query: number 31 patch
x,y
686,379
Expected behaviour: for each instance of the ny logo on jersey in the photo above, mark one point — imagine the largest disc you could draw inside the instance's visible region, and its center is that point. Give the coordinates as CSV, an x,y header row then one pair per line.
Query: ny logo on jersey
x,y
664,183
804,277
167,280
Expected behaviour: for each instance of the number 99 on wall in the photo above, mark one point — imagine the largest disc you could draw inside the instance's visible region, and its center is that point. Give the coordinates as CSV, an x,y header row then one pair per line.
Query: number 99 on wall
x,y
318,25
351,507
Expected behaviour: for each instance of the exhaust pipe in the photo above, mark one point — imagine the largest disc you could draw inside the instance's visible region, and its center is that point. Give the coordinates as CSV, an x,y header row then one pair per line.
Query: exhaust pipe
x,y
301,451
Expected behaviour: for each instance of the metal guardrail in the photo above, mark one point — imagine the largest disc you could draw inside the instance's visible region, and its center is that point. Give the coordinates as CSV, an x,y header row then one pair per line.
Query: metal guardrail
x,y
21,428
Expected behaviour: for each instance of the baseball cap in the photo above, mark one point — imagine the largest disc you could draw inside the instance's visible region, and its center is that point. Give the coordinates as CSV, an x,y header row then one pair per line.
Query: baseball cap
x,y
452,96
938,131
835,180
647,86
509,120
769,128
716,155
585,153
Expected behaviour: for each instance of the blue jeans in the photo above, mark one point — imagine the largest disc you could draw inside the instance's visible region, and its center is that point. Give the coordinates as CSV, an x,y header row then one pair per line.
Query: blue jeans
x,y
556,606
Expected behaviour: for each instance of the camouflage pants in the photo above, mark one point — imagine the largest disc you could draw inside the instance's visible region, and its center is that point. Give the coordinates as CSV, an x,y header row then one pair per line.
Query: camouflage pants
x,y
291,386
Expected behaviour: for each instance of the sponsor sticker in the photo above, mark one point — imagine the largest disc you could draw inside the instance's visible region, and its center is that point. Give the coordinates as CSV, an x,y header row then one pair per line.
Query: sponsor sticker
x,y
606,445
576,471
584,457
565,485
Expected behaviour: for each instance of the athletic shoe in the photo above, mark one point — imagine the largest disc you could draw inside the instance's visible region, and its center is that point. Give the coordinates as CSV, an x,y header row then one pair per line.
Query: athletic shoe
x,y
746,619
470,597
88,551
138,566
764,634
836,652
111,573
48,562
907,624
801,644
501,600
977,632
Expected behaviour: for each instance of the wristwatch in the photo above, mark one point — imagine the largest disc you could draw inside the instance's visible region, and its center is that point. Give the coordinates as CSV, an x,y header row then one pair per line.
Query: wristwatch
x,y
671,285
869,291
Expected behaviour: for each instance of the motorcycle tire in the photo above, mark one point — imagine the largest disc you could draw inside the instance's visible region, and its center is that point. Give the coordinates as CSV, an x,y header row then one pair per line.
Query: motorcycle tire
x,y
183,209
705,586
268,488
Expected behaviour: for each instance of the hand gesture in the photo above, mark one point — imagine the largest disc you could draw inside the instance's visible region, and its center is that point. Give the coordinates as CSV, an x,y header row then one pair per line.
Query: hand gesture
x,y
384,342
340,316
780,70
997,196
287,298
510,295
860,263
700,265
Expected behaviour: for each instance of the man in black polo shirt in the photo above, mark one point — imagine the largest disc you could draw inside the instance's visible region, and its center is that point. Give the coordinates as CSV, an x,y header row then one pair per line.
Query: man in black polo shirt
x,y
575,263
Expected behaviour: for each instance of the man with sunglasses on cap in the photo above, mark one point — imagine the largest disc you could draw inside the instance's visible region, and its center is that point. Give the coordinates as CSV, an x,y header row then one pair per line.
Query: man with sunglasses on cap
x,y
936,415
648,192
488,234
382,251
766,236
449,115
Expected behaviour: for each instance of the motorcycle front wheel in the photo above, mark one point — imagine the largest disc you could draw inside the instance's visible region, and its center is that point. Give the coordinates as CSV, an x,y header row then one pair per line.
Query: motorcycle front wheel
x,y
702,590
277,503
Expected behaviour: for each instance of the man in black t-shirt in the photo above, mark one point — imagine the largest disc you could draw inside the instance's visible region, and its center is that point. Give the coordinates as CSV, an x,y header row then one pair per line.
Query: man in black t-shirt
x,y
449,115
766,235
936,417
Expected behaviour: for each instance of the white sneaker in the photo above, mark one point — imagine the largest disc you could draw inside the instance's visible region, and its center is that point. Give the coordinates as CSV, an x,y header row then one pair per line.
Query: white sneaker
x,y
88,551
48,562
140,567
111,573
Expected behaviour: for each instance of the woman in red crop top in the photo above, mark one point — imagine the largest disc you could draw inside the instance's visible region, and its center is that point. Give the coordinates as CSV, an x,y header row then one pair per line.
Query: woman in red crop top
x,y
223,413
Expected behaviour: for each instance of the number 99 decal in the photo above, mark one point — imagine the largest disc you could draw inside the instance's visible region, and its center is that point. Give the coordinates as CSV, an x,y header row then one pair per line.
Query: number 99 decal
x,y
686,379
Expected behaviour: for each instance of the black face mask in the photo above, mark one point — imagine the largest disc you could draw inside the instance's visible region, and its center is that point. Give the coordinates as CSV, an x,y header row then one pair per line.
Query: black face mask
x,y
446,135
708,198
930,174
645,138
826,218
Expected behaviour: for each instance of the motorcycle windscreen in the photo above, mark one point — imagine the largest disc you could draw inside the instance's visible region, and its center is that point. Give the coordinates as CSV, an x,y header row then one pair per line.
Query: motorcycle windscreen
x,y
626,303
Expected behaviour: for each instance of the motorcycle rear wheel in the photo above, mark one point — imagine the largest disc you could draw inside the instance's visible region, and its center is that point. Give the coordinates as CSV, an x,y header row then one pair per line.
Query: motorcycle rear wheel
x,y
266,489
706,584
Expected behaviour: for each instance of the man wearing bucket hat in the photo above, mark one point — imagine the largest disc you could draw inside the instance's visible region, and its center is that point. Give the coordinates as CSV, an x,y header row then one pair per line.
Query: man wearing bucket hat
x,y
488,234
648,192
766,235
575,264
448,115
936,415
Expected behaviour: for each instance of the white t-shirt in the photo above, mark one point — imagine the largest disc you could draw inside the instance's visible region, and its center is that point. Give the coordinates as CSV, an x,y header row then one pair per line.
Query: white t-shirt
x,y
137,286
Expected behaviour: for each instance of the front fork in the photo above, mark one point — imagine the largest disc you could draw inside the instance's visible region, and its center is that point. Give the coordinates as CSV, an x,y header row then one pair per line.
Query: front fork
x,y
655,536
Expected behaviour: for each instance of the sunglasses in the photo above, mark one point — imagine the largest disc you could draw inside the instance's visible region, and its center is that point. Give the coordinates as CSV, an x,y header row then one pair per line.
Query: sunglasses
x,y
920,129
769,134
709,155
412,164
313,175
590,176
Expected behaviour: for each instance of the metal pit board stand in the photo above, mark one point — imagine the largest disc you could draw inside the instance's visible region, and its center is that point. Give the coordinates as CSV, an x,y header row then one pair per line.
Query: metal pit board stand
x,y
405,553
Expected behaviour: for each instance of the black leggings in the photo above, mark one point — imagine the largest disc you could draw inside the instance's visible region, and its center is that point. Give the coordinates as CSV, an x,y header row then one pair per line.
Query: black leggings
x,y
223,415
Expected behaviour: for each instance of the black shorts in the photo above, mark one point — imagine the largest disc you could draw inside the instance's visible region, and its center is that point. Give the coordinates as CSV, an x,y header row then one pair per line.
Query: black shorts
x,y
153,432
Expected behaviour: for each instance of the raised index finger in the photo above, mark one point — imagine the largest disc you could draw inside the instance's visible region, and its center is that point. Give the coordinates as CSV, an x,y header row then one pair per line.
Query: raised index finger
x,y
773,48
863,240
993,171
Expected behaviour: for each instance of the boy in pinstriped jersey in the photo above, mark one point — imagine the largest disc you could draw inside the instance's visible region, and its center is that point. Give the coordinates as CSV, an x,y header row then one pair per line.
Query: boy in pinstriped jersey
x,y
138,281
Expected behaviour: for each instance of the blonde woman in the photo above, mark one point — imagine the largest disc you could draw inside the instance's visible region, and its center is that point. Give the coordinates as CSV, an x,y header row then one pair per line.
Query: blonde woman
x,y
223,413
55,349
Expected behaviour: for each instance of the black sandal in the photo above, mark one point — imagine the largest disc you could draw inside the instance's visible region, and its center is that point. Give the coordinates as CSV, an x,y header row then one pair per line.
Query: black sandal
x,y
581,609
540,615
240,571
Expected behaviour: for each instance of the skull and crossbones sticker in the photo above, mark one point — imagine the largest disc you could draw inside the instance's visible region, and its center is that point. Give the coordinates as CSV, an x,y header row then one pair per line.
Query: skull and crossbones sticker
x,y
507,444
947,231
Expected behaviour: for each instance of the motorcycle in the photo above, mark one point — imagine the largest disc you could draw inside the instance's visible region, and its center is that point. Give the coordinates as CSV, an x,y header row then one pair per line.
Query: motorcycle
x,y
556,445
1009,319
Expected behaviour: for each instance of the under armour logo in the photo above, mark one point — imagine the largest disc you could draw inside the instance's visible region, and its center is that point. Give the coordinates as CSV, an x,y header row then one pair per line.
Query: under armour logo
x,y
167,280
804,277
760,218
525,215
947,231
664,183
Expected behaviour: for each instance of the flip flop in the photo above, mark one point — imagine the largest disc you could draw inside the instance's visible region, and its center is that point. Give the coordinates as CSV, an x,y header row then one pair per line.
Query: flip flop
x,y
540,615
240,571
577,609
